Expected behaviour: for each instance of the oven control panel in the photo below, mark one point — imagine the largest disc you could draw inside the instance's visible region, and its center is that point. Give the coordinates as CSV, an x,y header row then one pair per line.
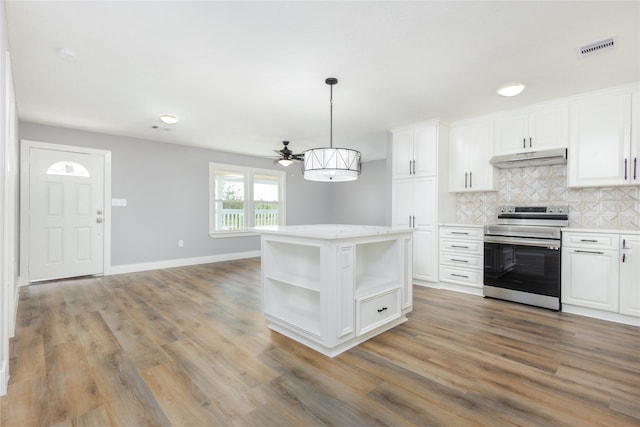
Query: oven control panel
x,y
550,210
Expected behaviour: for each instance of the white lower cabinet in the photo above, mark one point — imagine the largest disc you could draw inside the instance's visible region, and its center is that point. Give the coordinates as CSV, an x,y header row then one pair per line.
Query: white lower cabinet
x,y
630,275
462,255
601,272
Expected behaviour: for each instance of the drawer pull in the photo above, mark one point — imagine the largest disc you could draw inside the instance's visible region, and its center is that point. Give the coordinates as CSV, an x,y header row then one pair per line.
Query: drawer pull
x,y
461,247
459,232
380,310
459,260
588,252
589,240
459,275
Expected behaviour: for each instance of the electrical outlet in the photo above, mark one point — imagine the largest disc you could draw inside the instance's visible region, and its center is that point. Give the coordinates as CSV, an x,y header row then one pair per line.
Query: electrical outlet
x,y
180,243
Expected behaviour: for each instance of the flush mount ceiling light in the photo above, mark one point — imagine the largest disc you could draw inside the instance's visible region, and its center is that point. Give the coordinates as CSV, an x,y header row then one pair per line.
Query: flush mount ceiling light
x,y
511,89
169,119
331,164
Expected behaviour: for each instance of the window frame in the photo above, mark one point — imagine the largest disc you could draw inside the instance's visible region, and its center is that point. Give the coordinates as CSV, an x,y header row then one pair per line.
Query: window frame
x,y
249,174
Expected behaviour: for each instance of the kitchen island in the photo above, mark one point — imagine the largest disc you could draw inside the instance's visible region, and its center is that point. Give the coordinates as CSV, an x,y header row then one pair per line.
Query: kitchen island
x,y
331,287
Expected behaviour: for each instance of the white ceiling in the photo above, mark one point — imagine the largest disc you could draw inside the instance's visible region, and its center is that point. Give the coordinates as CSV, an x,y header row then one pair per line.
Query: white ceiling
x,y
243,76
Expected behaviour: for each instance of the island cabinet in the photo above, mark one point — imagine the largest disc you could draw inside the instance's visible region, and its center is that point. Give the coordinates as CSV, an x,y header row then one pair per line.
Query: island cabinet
x,y
331,287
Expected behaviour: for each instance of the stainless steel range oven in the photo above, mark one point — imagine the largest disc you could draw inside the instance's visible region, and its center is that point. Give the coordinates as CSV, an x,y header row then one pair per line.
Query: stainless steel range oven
x,y
522,255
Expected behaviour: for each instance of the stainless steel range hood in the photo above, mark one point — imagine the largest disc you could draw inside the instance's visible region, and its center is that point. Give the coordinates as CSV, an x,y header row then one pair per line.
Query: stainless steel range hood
x,y
532,158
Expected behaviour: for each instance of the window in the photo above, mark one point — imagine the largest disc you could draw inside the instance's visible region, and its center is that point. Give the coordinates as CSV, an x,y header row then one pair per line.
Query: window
x,y
241,198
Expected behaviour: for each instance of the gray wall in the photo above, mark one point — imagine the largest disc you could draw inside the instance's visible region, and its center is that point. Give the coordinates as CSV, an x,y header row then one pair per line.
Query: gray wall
x,y
166,187
363,201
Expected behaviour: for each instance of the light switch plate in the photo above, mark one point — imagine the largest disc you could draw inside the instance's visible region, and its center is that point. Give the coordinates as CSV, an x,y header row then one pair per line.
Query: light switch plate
x,y
118,202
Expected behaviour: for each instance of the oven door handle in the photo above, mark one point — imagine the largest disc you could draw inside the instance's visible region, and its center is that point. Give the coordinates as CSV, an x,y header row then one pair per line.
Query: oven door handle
x,y
539,243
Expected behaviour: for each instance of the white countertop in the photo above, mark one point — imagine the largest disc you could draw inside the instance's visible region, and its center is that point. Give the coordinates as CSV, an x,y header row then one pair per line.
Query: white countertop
x,y
331,231
601,230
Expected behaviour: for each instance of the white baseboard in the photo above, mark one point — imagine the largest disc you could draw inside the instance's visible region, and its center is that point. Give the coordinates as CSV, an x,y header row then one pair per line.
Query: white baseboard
x,y
600,314
4,377
171,263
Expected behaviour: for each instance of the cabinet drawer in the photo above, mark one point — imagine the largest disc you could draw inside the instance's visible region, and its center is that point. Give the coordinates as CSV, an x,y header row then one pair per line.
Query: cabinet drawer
x,y
461,260
462,232
462,276
590,240
377,309
462,246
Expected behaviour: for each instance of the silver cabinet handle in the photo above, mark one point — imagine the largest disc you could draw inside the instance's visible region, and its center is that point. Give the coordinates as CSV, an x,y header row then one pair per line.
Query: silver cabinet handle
x,y
624,243
625,169
465,179
635,168
459,232
530,141
380,310
459,275
414,167
461,247
624,257
578,251
589,240
459,260
470,179
524,142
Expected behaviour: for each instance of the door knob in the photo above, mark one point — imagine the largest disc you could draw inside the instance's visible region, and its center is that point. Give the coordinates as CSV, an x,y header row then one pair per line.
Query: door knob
x,y
99,220
99,212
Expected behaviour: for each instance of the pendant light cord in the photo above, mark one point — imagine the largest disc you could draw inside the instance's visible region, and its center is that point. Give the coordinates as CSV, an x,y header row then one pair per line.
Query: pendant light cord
x,y
331,118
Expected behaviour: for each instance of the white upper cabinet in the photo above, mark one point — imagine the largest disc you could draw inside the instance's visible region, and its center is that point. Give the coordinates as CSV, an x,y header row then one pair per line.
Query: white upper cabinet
x,y
415,151
470,150
531,130
603,145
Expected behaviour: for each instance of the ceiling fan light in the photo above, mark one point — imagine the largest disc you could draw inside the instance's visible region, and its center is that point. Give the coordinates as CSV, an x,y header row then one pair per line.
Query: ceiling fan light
x,y
285,162
511,89
169,119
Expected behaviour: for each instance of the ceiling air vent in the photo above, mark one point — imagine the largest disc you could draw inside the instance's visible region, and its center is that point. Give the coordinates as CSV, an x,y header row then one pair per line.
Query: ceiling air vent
x,y
597,47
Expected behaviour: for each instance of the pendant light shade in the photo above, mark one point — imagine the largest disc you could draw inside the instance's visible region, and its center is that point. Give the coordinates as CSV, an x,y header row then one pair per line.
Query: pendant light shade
x,y
331,164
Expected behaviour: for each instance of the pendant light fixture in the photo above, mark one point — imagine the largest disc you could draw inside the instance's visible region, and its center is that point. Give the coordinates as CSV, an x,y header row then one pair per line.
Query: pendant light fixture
x,y
331,164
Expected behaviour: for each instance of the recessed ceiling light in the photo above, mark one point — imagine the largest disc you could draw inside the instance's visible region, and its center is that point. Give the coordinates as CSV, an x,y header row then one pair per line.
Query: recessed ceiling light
x,y
511,89
67,54
169,119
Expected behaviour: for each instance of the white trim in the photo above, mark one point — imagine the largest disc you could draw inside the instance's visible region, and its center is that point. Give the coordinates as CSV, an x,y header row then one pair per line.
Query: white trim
x,y
25,146
4,377
602,315
182,262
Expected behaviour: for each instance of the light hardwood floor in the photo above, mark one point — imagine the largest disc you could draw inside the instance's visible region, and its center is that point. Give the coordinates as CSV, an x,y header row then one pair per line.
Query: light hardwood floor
x,y
189,347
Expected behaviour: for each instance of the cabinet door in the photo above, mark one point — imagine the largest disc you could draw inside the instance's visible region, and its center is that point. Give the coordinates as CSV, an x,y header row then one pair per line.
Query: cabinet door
x,y
630,275
548,128
512,134
402,153
480,150
425,255
590,278
425,150
425,202
599,141
402,202
458,160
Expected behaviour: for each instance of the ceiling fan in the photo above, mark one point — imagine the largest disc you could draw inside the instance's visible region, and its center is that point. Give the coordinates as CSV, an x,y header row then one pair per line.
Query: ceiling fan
x,y
286,155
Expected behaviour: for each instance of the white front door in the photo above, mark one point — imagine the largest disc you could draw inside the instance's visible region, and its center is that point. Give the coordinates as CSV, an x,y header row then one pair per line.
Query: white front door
x,y
66,213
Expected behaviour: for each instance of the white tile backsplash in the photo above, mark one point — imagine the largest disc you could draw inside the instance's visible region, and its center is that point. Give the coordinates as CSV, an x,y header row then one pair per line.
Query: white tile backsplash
x,y
607,207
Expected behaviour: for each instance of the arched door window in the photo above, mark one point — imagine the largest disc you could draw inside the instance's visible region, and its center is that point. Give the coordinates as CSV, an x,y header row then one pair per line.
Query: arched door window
x,y
67,168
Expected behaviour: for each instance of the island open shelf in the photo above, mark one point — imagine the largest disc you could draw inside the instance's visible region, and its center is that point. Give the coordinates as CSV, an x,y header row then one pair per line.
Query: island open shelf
x,y
332,287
